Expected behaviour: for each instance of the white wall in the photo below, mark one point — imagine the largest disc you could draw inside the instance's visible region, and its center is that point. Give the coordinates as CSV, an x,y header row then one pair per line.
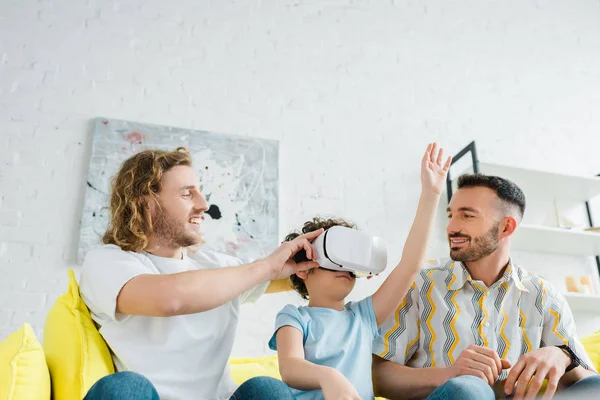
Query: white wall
x,y
353,90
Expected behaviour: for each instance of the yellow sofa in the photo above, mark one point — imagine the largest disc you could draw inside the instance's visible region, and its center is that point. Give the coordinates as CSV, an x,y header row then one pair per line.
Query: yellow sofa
x,y
74,355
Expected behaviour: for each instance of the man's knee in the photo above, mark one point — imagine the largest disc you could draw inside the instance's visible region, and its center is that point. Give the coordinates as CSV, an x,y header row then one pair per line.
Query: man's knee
x,y
125,378
585,389
123,385
468,388
590,381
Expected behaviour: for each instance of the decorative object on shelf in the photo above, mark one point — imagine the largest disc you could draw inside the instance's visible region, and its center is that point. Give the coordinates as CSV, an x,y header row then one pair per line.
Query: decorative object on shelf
x,y
569,214
579,284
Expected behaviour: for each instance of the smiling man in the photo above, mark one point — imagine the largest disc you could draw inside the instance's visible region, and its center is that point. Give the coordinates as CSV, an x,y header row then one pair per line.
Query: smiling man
x,y
169,317
479,326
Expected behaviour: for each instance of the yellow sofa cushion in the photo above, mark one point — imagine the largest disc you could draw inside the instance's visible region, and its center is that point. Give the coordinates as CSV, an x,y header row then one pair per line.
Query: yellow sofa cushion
x,y
76,354
23,369
592,347
243,369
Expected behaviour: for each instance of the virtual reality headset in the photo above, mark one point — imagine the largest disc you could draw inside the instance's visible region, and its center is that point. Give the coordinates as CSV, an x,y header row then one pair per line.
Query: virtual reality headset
x,y
345,249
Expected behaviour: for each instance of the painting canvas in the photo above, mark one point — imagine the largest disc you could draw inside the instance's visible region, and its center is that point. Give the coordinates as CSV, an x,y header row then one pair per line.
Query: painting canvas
x,y
238,174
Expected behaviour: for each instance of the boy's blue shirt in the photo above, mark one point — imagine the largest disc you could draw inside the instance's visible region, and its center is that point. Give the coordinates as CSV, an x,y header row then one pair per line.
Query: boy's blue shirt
x,y
337,339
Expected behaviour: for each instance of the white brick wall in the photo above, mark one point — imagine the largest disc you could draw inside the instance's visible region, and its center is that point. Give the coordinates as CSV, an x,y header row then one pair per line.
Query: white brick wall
x,y
352,89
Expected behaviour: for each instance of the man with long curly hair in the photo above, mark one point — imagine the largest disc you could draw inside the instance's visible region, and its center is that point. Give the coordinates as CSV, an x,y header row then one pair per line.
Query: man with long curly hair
x,y
170,317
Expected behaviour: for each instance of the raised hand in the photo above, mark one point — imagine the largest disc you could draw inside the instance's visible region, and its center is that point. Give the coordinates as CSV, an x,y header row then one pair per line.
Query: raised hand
x,y
433,172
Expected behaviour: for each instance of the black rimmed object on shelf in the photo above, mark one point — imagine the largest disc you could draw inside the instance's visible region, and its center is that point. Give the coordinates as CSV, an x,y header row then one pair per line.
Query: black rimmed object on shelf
x,y
591,221
469,148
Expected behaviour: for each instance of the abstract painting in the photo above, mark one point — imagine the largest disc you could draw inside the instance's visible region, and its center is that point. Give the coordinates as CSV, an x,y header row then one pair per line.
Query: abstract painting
x,y
239,177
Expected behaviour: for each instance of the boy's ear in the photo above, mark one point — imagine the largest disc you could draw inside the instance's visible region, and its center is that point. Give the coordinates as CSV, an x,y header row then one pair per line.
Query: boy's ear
x,y
302,274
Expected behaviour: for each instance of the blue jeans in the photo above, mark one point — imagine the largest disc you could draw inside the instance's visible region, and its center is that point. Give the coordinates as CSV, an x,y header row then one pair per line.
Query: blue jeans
x,y
263,388
586,389
133,386
463,388
472,388
122,386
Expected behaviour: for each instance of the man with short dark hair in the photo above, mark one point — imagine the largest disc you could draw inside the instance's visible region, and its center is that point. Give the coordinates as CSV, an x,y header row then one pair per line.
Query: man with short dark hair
x,y
479,326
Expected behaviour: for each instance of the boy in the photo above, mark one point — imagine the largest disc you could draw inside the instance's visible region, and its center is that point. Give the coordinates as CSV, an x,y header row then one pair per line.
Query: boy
x,y
324,349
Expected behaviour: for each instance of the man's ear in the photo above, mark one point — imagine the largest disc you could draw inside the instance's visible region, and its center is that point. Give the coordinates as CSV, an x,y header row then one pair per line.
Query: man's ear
x,y
509,226
149,203
302,274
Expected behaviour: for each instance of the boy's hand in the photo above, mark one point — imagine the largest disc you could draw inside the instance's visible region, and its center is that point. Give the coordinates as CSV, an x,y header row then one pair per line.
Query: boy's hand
x,y
335,386
281,263
433,172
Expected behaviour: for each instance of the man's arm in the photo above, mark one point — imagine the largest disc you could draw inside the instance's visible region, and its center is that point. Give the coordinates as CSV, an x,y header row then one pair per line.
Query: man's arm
x,y
202,290
395,381
550,362
188,292
559,315
575,375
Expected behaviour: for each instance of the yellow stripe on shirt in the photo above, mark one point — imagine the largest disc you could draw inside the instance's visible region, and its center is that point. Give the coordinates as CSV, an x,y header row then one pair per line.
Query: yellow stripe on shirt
x,y
428,321
411,344
386,338
523,320
503,326
453,327
503,336
481,303
555,327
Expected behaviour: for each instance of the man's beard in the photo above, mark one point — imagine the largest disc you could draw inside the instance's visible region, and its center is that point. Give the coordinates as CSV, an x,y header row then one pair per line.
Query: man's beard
x,y
480,247
171,233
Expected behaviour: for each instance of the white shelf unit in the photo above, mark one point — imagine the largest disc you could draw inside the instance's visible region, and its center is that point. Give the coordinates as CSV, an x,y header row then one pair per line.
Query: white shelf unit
x,y
545,239
550,183
584,303
556,240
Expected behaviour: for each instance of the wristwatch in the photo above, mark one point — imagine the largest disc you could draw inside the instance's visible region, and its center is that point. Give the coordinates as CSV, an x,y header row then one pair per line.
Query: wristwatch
x,y
575,361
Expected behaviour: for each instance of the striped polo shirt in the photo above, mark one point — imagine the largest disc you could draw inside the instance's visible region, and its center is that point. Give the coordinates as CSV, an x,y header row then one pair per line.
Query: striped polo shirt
x,y
446,310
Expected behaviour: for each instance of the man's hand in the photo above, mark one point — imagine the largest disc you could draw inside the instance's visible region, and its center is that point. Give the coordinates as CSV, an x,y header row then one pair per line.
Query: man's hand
x,y
547,362
479,361
281,263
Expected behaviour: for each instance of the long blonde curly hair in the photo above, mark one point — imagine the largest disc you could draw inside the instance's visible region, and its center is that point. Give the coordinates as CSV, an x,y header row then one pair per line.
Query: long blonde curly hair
x,y
139,177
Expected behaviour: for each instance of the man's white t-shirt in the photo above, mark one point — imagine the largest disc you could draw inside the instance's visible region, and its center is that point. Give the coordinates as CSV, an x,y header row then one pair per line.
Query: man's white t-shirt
x,y
185,356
